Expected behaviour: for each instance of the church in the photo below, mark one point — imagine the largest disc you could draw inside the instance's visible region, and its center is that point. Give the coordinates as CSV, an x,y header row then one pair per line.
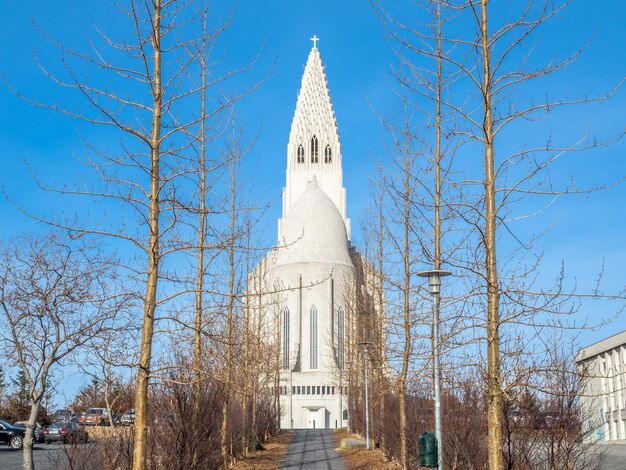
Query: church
x,y
311,282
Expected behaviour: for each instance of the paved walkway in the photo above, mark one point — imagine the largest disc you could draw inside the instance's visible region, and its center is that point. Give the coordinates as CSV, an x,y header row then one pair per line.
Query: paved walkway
x,y
614,455
313,449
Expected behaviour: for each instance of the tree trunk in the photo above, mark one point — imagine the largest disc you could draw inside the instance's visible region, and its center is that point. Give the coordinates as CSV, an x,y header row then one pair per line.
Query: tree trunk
x,y
406,355
494,389
28,463
143,373
380,294
229,323
197,339
257,352
246,373
245,433
436,345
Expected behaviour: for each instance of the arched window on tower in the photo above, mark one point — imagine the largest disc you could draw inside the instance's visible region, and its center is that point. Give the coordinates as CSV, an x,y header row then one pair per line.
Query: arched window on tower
x,y
340,337
328,155
300,154
313,338
314,150
286,338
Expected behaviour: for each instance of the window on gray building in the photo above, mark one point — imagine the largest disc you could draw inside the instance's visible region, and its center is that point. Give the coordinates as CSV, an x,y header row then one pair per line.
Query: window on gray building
x,y
286,338
313,338
340,337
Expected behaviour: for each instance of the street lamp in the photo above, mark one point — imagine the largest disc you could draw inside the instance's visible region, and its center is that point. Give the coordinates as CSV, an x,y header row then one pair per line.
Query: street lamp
x,y
434,283
365,345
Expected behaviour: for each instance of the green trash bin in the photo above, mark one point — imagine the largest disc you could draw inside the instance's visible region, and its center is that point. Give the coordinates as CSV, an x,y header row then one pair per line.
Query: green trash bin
x,y
428,450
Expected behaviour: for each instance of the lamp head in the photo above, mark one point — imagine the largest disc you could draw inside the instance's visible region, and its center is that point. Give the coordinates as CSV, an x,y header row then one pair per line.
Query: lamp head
x,y
434,282
434,279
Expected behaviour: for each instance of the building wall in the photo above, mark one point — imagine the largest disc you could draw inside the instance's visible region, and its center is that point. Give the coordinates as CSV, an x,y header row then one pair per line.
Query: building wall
x,y
603,395
327,288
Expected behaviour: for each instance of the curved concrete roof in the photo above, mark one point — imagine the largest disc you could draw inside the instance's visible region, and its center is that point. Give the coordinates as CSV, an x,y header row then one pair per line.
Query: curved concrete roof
x,y
313,231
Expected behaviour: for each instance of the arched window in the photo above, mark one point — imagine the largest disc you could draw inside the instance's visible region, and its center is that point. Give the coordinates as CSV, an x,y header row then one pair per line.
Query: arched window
x,y
314,150
286,338
328,155
313,338
300,154
340,337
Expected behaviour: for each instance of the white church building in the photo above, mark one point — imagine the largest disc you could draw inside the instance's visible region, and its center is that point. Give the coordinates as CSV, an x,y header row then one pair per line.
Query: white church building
x,y
311,277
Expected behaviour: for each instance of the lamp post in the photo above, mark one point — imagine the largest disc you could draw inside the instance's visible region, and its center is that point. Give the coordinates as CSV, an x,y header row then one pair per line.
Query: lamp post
x,y
434,283
365,345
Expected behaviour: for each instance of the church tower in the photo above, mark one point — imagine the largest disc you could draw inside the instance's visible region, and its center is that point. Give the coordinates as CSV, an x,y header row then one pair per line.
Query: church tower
x,y
311,296
314,149
305,287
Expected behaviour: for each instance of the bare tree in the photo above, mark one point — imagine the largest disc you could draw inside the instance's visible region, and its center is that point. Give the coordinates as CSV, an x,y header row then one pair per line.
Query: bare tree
x,y
56,295
375,252
109,360
233,237
142,90
497,84
497,64
208,171
404,235
565,443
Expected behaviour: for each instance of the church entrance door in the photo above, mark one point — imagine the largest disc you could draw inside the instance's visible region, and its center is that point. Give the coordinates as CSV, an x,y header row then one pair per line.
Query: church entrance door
x,y
314,422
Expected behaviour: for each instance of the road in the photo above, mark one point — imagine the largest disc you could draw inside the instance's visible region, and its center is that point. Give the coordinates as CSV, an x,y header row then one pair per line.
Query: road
x,y
615,458
309,449
313,449
46,457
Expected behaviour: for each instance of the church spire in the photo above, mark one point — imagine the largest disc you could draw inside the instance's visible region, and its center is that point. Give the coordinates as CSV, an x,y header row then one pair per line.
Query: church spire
x,y
314,148
314,110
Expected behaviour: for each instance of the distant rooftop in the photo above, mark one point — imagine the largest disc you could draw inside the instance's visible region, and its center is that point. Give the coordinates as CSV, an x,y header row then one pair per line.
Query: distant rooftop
x,y
600,347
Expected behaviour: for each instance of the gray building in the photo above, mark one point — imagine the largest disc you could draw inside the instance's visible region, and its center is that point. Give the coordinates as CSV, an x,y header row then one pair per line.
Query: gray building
x,y
602,398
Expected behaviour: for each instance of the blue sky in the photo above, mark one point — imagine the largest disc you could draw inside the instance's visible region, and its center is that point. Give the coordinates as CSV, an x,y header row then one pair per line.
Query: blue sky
x,y
357,58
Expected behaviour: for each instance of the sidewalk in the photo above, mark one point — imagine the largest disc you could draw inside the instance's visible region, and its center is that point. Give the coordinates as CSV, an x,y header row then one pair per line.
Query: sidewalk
x,y
312,449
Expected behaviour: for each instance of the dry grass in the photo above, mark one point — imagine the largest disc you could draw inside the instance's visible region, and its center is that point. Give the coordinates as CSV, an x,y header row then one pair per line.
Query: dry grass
x,y
363,459
276,449
104,432
269,458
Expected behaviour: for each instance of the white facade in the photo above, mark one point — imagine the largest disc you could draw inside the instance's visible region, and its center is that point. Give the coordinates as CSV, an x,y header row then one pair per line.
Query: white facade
x,y
309,278
603,395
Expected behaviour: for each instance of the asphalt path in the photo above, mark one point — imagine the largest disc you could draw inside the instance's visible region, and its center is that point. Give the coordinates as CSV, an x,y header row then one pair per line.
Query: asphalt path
x,y
46,457
309,449
614,457
313,449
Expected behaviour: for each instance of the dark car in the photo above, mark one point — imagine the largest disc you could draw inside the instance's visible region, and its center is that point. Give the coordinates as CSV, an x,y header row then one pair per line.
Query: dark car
x,y
128,418
13,437
65,432
37,432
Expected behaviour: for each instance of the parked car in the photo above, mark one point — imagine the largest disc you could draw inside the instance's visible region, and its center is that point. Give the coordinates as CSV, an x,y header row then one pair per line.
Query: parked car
x,y
95,417
65,432
64,415
128,418
13,437
167,419
37,432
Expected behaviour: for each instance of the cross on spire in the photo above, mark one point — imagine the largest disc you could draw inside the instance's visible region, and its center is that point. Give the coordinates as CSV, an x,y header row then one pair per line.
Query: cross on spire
x,y
315,39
